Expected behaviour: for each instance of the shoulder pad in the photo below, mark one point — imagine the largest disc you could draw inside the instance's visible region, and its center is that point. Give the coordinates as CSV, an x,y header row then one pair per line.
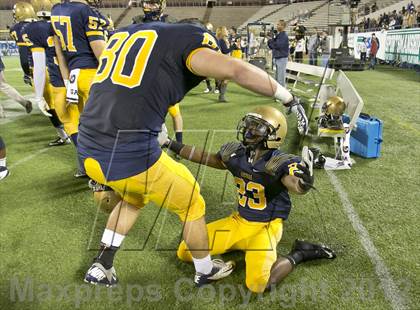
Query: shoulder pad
x,y
276,161
228,149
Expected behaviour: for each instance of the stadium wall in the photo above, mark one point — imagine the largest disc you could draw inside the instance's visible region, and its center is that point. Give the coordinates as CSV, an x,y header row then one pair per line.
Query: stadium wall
x,y
395,45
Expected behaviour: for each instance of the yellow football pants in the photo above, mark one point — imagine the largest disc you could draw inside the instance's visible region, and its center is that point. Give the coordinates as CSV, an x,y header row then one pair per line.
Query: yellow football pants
x,y
258,241
237,54
84,82
166,183
67,113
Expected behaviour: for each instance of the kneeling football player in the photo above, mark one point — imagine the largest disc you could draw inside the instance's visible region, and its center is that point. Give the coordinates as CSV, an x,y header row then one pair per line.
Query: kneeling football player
x,y
264,176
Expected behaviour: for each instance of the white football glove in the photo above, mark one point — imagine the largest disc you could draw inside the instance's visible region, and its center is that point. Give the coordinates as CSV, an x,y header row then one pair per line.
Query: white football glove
x,y
163,138
43,106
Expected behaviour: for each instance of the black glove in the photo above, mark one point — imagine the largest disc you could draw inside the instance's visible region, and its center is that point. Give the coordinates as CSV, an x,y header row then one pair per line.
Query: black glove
x,y
27,80
306,181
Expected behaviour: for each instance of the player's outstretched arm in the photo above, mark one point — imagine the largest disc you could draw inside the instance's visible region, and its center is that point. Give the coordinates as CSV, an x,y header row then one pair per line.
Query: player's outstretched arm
x,y
195,155
62,63
209,63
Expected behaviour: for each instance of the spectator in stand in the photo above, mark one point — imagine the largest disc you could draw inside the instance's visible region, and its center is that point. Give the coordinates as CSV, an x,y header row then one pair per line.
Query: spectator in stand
x,y
374,47
280,46
374,7
313,45
410,6
324,48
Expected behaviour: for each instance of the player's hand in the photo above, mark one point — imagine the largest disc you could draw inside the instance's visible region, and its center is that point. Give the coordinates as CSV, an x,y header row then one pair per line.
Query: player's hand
x,y
43,106
163,138
27,80
306,181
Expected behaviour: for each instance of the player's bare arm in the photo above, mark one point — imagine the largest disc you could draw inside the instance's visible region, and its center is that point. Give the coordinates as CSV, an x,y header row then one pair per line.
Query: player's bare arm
x,y
62,63
199,156
97,47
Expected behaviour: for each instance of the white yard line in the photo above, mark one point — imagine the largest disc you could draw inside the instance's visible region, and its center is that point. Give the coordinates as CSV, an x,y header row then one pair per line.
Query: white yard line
x,y
388,285
29,157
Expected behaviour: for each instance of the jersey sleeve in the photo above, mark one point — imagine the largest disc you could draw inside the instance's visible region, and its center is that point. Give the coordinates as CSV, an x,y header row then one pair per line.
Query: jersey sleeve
x,y
95,25
288,167
36,38
195,39
227,152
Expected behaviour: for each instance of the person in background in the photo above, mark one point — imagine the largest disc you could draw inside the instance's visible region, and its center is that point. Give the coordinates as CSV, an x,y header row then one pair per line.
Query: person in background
x,y
324,48
12,93
209,27
280,46
363,50
225,47
313,45
300,49
374,47
235,42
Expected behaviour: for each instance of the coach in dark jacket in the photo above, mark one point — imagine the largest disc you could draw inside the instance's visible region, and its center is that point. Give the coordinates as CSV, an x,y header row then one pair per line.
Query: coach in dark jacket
x,y
280,46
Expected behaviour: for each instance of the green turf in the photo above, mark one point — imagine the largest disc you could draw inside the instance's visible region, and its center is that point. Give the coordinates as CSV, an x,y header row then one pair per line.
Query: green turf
x,y
50,226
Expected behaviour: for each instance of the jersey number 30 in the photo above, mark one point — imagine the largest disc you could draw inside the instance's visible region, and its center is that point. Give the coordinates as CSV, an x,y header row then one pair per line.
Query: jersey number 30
x,y
258,202
115,62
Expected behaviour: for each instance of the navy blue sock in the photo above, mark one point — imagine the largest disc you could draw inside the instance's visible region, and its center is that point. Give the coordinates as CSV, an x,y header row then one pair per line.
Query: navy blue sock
x,y
178,136
74,138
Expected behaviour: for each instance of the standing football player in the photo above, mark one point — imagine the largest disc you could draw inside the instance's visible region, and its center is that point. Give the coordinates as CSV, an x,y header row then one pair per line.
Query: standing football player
x,y
80,36
153,11
25,13
4,172
12,93
264,177
143,70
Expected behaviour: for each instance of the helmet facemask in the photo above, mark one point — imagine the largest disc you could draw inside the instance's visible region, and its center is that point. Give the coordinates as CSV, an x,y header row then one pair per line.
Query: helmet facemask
x,y
253,132
153,8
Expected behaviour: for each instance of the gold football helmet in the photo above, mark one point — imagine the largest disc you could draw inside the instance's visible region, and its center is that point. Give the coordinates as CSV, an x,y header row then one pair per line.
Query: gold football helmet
x,y
42,7
265,125
334,106
209,27
23,11
106,200
153,8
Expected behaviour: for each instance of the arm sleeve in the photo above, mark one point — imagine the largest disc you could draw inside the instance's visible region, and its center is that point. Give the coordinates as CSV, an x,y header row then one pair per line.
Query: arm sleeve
x,y
39,72
194,39
288,167
94,23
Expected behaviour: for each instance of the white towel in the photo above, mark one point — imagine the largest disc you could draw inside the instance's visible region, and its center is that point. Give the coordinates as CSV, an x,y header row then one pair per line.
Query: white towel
x,y
72,94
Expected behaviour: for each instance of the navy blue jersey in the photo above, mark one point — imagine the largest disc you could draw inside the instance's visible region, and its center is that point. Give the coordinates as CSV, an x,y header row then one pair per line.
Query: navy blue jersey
x,y
41,37
78,24
143,70
17,33
261,197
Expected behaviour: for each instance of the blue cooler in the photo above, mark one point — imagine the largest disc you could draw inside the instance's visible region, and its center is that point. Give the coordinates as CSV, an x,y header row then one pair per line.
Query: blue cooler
x,y
366,138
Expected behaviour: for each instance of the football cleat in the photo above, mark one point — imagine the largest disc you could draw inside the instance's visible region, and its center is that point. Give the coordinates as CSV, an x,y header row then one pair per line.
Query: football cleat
x,y
313,251
207,90
4,172
216,91
28,107
80,174
97,274
220,270
59,141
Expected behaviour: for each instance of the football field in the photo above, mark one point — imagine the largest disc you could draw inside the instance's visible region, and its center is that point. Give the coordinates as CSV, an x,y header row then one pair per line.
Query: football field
x,y
50,227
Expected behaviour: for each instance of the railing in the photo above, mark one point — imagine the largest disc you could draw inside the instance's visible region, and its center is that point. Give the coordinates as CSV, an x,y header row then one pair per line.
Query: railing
x,y
372,29
8,4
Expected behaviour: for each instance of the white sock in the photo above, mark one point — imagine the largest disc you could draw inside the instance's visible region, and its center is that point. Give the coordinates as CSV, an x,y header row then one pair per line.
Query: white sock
x,y
3,162
203,265
283,94
110,237
61,133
